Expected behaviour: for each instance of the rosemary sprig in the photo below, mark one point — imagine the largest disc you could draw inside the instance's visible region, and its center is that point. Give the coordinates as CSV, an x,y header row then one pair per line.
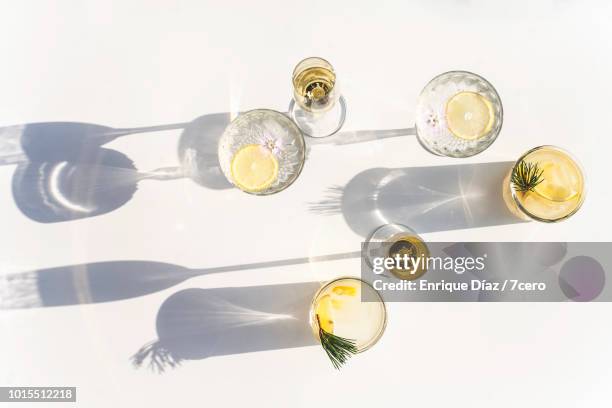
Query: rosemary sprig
x,y
338,349
526,176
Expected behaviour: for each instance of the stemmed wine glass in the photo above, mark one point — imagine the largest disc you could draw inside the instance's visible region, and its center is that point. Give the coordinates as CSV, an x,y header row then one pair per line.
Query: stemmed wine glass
x,y
390,240
317,107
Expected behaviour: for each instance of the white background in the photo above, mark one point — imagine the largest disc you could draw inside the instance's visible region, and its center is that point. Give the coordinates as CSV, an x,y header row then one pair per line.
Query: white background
x,y
140,63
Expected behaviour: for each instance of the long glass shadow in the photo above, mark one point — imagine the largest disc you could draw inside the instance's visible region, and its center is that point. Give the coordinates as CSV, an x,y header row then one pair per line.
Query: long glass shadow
x,y
64,172
193,324
427,199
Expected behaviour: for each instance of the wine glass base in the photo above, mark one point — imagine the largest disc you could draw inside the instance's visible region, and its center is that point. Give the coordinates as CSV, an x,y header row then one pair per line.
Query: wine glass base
x,y
321,124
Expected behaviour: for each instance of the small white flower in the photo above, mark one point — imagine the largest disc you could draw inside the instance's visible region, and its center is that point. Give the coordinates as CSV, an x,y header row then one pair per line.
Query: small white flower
x,y
432,119
273,144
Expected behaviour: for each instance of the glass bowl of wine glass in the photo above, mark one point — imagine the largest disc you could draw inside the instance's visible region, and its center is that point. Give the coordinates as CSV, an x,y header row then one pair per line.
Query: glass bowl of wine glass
x,y
317,107
392,240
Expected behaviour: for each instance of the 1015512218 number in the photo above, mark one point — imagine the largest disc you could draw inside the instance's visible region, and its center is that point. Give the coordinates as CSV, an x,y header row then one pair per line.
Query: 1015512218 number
x,y
38,394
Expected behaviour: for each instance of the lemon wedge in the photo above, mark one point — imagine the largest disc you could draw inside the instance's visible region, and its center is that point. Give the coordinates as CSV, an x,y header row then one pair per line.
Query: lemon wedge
x,y
324,312
556,184
345,290
254,168
469,115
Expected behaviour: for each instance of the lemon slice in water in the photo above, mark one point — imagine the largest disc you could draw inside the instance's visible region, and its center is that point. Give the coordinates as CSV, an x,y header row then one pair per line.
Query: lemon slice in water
x,y
469,115
254,168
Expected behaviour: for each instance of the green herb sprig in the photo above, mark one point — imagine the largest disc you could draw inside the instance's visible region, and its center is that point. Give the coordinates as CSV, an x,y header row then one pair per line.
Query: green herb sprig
x,y
526,176
338,349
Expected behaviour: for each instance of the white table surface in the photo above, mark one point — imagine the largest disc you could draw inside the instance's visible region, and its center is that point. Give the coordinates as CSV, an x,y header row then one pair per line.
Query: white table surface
x,y
142,63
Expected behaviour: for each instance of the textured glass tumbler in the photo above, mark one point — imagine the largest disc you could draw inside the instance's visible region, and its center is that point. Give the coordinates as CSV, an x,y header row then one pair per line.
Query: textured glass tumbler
x,y
262,152
459,114
557,194
317,107
351,308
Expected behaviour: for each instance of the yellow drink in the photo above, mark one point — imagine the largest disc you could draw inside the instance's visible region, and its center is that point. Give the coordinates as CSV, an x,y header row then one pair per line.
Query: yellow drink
x,y
413,247
314,82
341,311
558,195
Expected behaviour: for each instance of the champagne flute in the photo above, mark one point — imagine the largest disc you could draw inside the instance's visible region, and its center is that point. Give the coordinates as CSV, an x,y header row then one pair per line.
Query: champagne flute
x,y
317,107
391,240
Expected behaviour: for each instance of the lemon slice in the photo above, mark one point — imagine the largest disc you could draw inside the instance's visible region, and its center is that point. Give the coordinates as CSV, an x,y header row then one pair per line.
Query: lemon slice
x,y
324,311
469,115
556,185
254,168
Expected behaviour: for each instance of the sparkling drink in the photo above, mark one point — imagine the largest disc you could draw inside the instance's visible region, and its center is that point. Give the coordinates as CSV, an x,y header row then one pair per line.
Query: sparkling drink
x,y
314,83
459,114
546,184
317,107
391,240
338,309
413,247
261,152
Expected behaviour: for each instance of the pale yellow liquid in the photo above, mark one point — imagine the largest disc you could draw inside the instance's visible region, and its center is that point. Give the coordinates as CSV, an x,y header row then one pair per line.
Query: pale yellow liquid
x,y
562,190
469,115
413,247
313,87
341,312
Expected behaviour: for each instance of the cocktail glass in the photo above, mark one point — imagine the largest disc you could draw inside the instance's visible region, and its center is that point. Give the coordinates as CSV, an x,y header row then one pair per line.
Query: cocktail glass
x,y
459,114
351,309
262,152
557,181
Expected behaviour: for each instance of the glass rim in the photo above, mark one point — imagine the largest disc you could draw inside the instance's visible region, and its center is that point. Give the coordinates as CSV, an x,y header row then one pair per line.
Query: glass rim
x,y
370,238
582,193
401,228
461,71
331,67
302,159
383,325
313,58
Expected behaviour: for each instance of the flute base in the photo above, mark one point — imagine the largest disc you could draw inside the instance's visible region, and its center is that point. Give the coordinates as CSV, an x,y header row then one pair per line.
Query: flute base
x,y
320,124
